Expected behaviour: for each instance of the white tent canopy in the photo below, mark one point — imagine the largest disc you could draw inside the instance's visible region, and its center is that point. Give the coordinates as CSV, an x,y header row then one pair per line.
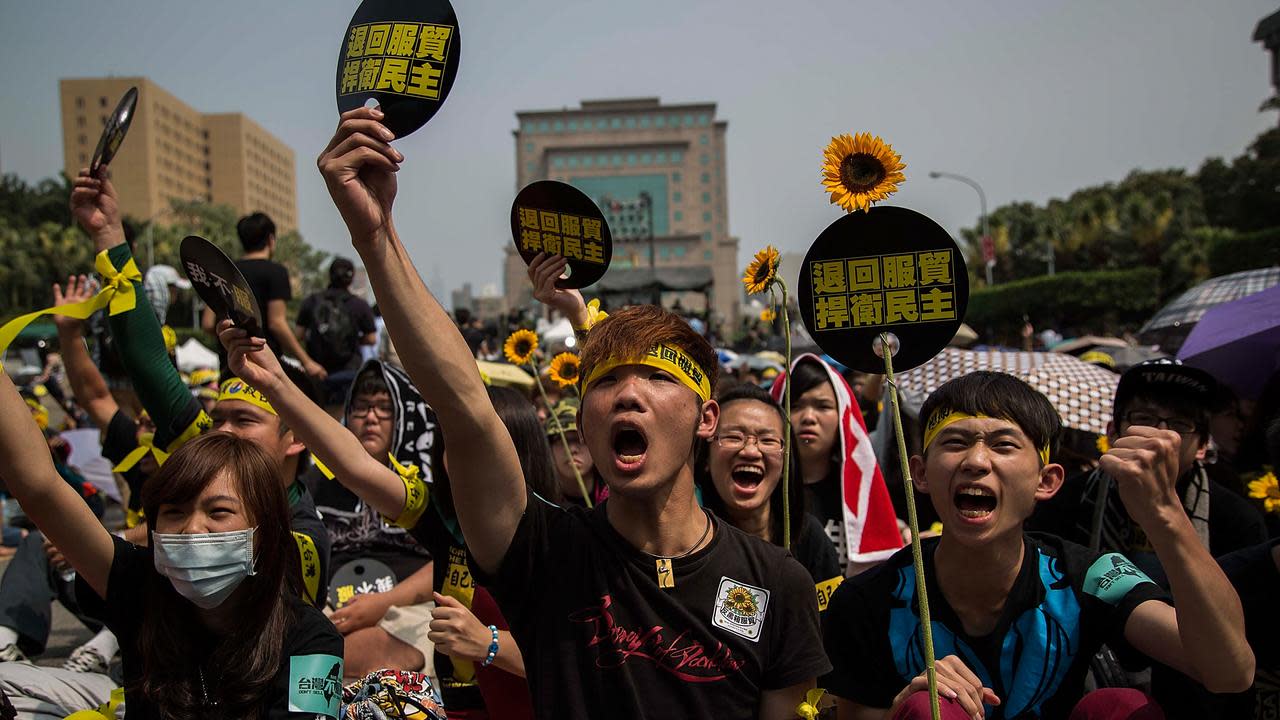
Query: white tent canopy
x,y
192,355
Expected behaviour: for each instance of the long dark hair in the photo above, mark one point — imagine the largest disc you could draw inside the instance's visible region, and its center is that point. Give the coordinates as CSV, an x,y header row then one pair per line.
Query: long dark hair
x,y
711,498
243,663
521,419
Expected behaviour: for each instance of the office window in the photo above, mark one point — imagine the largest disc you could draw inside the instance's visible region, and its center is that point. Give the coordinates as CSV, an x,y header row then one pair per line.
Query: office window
x,y
587,161
631,159
102,102
688,121
602,160
615,123
706,177
675,177
80,102
660,158
573,163
706,197
646,159
617,159
660,121
557,162
557,126
676,197
573,125
702,139
677,156
542,126
630,123
706,217
678,216
706,255
528,147
704,159
645,121
704,119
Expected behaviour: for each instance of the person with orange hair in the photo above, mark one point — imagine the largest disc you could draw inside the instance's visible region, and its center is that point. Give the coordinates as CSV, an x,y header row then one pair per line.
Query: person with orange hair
x,y
646,606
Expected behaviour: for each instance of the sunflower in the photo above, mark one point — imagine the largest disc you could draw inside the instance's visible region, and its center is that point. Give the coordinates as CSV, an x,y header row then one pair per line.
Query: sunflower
x,y
564,369
741,600
860,170
768,315
1266,489
519,347
762,272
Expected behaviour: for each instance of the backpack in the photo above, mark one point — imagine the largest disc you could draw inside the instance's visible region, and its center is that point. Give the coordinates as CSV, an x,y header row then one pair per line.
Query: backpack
x,y
331,338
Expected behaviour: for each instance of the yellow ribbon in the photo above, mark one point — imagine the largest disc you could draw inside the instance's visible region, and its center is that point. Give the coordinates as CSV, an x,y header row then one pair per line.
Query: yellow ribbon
x,y
663,357
594,315
941,419
310,560
40,413
105,711
118,295
808,710
416,496
146,444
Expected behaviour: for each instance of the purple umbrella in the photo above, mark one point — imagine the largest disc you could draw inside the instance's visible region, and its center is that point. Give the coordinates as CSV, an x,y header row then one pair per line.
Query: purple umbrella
x,y
1238,342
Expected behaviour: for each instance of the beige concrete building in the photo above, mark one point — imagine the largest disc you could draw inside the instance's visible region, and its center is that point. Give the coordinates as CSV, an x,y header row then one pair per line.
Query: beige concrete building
x,y
658,173
173,152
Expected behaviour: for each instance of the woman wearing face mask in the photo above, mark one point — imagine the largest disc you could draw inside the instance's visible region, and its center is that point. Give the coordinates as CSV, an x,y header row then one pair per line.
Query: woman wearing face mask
x,y
843,487
209,617
740,472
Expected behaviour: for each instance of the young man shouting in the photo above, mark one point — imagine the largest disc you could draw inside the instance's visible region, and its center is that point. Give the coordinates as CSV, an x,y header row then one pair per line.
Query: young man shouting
x,y
1017,617
647,606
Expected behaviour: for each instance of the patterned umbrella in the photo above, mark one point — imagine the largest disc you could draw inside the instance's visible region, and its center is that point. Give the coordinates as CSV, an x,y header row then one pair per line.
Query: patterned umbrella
x,y
1170,326
1080,391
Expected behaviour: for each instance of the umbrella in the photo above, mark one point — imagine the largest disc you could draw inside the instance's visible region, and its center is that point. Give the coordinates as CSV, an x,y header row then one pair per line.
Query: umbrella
x,y
1238,342
506,375
1076,346
1081,392
1169,327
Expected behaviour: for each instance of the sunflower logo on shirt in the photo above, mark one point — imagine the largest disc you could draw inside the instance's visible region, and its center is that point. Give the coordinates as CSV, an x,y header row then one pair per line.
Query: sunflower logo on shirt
x,y
740,608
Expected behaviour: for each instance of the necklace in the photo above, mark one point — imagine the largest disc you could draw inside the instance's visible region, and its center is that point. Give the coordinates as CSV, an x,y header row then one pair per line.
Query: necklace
x,y
204,689
662,563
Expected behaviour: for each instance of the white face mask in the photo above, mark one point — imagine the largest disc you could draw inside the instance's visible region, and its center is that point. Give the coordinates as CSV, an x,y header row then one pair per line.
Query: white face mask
x,y
204,568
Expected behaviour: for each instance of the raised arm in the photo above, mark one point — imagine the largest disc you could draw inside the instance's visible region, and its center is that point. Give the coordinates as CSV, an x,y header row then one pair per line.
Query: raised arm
x,y
1204,637
87,385
136,333
54,506
252,361
359,168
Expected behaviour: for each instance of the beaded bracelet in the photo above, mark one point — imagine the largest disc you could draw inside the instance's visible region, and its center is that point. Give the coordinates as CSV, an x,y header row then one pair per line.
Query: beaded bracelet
x,y
493,647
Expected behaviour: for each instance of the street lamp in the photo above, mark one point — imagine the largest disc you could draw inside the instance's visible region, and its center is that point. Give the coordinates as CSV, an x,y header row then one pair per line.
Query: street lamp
x,y
982,201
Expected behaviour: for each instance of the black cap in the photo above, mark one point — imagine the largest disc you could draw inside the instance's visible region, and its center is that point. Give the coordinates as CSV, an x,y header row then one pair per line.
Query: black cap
x,y
1169,374
341,272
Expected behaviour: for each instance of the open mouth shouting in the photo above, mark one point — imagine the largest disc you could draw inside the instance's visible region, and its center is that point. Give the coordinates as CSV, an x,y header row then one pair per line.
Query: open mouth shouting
x,y
629,447
975,503
746,478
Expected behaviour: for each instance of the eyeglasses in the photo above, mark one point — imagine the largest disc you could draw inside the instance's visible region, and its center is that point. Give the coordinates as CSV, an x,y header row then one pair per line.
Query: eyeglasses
x,y
736,441
1179,425
360,409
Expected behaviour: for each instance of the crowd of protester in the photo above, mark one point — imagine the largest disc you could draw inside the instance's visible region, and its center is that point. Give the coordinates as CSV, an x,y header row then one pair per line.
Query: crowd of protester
x,y
353,521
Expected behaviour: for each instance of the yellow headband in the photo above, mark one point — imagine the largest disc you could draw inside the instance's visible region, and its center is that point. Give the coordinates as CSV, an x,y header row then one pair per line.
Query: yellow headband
x,y
664,357
237,389
941,419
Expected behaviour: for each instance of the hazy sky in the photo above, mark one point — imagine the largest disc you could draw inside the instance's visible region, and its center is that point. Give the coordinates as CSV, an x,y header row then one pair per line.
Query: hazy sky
x,y
1032,99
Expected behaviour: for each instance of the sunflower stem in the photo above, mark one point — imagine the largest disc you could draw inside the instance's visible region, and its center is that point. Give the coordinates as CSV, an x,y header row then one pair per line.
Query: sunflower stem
x,y
916,554
786,419
564,441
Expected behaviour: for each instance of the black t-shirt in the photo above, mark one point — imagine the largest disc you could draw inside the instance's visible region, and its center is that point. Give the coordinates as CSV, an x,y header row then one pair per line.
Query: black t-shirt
x,y
813,550
1252,572
1065,603
358,532
305,519
822,500
362,323
600,638
118,440
269,281
1234,523
451,576
312,647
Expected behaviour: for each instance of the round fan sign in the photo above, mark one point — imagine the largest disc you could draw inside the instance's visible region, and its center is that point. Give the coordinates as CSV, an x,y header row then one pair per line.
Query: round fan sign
x,y
559,219
891,270
402,54
219,284
116,128
359,577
